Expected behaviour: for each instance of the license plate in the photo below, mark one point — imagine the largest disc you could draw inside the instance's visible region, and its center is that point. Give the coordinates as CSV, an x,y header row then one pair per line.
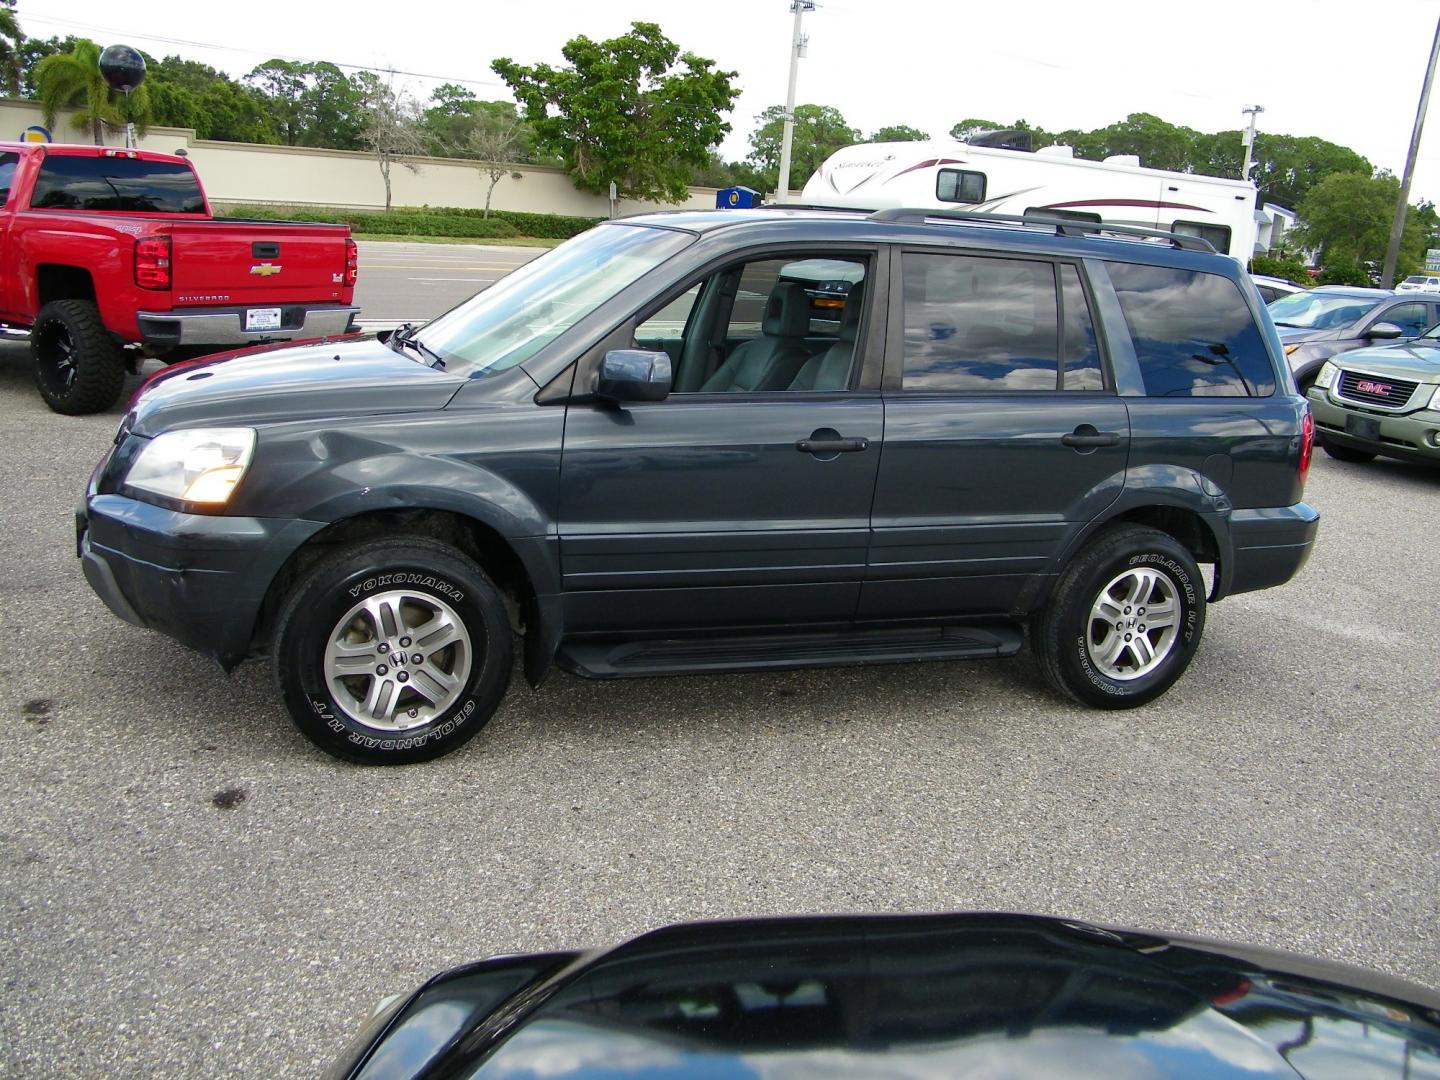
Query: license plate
x,y
1363,427
262,318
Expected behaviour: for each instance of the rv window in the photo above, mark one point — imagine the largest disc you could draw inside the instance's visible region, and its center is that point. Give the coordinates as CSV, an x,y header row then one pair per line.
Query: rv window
x,y
958,185
1218,235
1194,335
1067,215
977,325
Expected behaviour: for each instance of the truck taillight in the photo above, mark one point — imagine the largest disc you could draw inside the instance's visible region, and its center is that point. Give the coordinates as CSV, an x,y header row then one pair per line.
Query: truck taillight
x,y
352,262
1307,444
152,262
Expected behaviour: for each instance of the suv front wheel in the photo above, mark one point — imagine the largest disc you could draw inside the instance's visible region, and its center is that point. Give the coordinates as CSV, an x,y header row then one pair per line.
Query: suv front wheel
x,y
393,651
1125,619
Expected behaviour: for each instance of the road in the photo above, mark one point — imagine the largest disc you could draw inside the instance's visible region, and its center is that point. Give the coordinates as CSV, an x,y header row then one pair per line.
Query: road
x,y
414,282
189,890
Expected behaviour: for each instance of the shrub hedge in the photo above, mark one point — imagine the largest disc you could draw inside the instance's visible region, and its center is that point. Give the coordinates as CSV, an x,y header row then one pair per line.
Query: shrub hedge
x,y
457,222
1292,270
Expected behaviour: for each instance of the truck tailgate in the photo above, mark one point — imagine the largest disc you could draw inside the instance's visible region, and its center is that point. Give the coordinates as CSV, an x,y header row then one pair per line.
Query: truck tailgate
x,y
229,261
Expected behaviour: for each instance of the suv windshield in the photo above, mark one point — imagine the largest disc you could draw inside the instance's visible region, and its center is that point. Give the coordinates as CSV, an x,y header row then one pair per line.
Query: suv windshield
x,y
1311,311
522,313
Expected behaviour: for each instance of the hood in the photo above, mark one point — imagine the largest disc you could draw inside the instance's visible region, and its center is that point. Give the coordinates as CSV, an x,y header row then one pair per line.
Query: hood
x,y
285,382
908,997
1417,360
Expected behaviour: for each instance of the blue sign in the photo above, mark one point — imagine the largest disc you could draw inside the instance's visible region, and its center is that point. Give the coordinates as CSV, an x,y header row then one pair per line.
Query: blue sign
x,y
35,134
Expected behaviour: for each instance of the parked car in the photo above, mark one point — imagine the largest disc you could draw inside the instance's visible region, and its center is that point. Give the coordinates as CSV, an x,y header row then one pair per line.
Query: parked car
x,y
1420,283
657,450
109,255
1383,400
1273,288
903,996
1331,319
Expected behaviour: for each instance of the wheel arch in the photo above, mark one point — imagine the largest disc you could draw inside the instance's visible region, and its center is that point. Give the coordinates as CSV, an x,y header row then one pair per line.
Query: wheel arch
x,y
57,281
517,567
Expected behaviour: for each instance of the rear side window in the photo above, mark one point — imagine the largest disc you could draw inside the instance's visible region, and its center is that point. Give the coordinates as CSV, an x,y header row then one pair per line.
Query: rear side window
x,y
1218,235
1194,335
116,183
8,164
979,324
1082,352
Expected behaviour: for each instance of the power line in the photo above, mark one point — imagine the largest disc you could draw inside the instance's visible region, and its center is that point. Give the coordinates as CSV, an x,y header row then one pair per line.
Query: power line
x,y
67,24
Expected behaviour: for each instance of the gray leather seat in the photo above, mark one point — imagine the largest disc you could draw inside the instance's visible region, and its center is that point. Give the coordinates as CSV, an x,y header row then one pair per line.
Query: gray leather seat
x,y
830,370
770,361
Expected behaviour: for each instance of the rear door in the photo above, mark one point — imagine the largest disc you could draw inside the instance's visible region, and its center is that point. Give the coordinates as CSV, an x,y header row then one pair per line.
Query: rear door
x,y
1003,436
256,264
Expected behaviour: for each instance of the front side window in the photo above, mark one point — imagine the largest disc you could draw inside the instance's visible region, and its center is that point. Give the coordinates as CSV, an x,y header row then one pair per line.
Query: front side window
x,y
975,324
74,182
1194,335
960,186
1411,318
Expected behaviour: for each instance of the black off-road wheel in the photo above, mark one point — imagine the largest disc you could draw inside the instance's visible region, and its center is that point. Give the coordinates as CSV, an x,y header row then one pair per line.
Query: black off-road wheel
x,y
393,651
1344,453
79,367
1125,620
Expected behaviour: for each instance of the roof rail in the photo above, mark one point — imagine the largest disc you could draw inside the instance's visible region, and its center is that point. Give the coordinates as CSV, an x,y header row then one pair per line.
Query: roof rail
x,y
1062,226
814,206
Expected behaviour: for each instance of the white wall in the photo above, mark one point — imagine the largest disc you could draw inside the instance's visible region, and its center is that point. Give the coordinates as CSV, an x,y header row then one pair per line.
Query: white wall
x,y
295,176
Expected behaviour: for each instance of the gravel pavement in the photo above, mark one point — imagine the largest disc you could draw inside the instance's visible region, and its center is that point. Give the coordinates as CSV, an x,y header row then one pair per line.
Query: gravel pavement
x,y
189,890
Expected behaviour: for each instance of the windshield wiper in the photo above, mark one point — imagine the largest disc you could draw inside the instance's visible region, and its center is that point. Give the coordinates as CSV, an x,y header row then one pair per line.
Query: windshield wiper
x,y
406,336
1294,325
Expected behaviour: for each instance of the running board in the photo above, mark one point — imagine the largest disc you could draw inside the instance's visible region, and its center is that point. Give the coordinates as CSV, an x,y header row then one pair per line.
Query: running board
x,y
764,652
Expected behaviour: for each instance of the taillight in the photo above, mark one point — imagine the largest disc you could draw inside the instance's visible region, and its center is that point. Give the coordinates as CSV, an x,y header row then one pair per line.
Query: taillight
x,y
1307,444
152,262
352,262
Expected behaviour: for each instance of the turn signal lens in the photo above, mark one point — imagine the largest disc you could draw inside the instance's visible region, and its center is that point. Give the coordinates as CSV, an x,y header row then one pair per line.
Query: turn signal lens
x,y
215,485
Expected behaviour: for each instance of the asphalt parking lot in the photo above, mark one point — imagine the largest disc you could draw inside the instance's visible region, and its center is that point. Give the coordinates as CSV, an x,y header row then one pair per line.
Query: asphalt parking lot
x,y
189,890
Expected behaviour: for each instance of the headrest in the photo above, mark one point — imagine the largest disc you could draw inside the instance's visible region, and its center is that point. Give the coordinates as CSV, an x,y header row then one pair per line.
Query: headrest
x,y
850,317
787,312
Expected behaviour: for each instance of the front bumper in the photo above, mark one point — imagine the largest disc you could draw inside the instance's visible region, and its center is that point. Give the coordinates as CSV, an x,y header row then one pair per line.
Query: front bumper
x,y
226,326
1413,436
198,578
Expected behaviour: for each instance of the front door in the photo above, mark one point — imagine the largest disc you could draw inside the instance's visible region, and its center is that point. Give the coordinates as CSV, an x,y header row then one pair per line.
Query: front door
x,y
743,499
1003,437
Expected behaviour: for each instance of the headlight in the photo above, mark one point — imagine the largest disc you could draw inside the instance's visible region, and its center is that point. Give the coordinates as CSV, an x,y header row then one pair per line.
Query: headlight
x,y
1435,400
200,465
1326,378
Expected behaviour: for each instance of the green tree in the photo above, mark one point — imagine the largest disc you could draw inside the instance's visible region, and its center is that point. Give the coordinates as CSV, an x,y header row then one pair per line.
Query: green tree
x,y
314,104
73,80
456,119
1347,218
391,130
11,42
623,111
820,130
899,133
972,125
32,51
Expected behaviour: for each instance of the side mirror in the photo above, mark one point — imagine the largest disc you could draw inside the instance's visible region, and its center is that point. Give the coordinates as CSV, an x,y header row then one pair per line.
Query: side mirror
x,y
1384,331
634,375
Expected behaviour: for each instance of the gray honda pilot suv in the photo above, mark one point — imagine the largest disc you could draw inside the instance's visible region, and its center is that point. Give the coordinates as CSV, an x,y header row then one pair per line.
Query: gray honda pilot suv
x,y
727,441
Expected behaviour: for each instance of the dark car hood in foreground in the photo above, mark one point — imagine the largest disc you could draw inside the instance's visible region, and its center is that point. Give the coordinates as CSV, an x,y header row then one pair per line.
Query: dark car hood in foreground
x,y
335,378
905,996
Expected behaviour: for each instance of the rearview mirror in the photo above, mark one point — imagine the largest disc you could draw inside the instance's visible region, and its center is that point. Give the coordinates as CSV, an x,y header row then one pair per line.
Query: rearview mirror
x,y
1384,331
634,375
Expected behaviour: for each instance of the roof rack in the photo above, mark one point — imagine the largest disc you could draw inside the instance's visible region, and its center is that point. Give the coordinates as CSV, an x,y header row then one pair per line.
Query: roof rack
x,y
1062,226
815,206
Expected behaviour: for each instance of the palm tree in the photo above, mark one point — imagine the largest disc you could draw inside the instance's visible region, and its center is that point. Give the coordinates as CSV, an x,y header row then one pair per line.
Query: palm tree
x,y
73,80
10,41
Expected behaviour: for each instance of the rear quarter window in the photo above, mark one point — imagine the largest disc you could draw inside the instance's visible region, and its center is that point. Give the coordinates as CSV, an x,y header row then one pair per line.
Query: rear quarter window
x,y
1193,332
68,182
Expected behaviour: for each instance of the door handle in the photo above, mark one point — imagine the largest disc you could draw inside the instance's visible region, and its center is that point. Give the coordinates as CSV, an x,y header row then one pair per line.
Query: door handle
x,y
1085,435
831,446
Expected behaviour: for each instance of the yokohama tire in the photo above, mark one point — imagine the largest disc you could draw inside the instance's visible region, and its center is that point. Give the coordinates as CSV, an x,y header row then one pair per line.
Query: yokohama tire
x,y
79,368
1148,584
408,609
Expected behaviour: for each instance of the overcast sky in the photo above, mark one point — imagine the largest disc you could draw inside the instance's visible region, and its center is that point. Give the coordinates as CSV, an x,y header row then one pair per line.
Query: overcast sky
x,y
1344,71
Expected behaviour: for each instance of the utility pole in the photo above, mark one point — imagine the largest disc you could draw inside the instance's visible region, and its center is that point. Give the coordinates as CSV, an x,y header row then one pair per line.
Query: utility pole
x,y
1397,227
797,50
1249,140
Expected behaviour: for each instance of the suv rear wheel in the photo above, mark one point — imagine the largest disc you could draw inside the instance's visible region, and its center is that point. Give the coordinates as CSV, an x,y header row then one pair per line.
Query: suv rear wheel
x,y
393,651
1125,619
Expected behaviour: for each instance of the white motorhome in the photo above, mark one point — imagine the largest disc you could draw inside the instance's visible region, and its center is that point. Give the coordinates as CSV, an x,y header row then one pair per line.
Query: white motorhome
x,y
1003,180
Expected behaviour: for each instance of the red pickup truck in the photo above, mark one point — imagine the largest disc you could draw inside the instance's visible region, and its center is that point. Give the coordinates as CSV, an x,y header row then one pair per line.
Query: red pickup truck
x,y
108,256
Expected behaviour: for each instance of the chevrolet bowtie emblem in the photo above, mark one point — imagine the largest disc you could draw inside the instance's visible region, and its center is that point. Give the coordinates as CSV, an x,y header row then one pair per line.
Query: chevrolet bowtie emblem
x,y
265,269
